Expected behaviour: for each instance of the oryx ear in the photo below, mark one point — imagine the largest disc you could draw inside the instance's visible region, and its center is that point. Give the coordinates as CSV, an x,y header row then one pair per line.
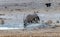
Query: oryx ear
x,y
35,12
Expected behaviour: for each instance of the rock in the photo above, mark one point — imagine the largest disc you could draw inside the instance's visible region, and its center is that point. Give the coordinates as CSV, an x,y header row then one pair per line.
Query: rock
x,y
49,22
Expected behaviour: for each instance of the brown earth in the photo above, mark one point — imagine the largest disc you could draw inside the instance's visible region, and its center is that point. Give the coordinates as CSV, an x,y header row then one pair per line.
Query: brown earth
x,y
46,32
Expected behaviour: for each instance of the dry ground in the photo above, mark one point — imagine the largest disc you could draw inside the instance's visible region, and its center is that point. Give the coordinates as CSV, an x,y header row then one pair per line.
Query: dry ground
x,y
46,32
